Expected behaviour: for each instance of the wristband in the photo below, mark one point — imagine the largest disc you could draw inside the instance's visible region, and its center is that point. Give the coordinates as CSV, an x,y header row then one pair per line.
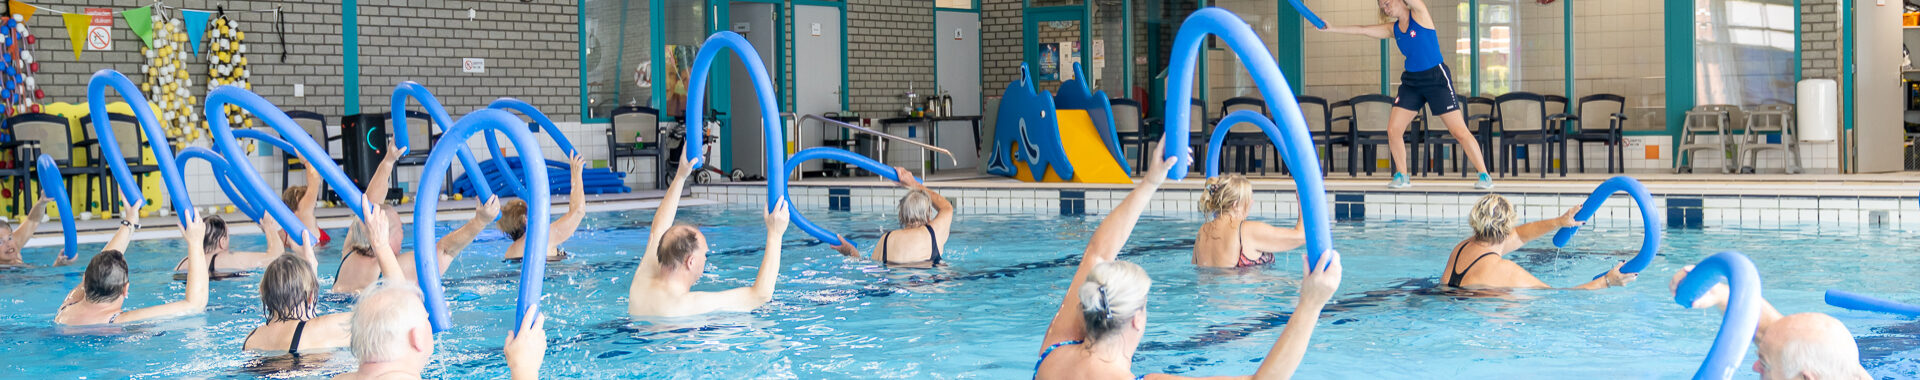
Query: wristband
x,y
124,223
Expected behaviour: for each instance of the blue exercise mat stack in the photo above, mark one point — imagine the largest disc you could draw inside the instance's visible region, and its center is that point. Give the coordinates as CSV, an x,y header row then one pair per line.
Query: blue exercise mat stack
x,y
597,181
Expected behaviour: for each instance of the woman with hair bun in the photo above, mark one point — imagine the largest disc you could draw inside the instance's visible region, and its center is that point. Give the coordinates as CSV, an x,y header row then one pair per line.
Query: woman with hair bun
x,y
1229,240
1497,231
1100,322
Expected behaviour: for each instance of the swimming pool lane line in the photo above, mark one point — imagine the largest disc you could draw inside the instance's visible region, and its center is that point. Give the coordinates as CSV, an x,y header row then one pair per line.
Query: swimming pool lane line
x,y
1650,221
1294,142
426,201
52,184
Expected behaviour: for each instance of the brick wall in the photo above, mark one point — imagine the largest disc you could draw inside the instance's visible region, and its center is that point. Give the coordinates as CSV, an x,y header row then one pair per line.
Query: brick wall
x,y
1819,39
890,48
531,51
1000,52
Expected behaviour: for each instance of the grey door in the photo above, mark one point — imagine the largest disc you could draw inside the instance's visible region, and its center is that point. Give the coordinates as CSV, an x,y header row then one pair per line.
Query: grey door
x,y
756,19
957,43
816,51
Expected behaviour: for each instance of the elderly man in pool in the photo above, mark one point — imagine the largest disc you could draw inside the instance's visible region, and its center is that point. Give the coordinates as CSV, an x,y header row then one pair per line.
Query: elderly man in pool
x,y
1811,346
677,255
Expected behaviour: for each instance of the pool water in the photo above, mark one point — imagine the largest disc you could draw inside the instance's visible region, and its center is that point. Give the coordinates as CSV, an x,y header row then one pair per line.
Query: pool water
x,y
983,315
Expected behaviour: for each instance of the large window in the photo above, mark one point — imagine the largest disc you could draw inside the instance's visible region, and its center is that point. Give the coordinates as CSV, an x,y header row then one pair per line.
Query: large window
x,y
1744,52
1620,48
618,62
1227,77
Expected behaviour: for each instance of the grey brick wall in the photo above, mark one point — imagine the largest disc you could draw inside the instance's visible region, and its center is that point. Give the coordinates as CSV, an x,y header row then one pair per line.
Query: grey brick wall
x,y
1000,51
313,47
532,53
889,48
1819,39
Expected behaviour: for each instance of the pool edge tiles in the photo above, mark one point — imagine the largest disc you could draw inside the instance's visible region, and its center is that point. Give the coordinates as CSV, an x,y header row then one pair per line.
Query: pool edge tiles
x,y
1677,209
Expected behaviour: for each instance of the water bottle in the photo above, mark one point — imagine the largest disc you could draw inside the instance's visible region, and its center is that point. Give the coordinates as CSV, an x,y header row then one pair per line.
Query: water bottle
x,y
638,143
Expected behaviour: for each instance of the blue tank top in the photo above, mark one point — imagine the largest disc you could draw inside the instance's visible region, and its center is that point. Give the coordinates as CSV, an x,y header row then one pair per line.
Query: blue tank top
x,y
1420,45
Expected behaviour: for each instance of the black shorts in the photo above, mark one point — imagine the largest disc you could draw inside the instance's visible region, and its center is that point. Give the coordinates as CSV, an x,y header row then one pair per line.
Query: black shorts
x,y
1431,87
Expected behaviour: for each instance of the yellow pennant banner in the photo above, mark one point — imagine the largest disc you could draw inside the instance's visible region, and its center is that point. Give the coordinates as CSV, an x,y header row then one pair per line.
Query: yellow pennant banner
x,y
77,30
23,9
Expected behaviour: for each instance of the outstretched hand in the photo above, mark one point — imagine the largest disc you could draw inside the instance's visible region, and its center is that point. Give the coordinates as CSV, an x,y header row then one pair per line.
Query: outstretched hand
x,y
1158,164
576,162
489,209
906,178
777,220
1317,287
1615,278
377,223
1715,297
1567,219
526,347
130,212
846,248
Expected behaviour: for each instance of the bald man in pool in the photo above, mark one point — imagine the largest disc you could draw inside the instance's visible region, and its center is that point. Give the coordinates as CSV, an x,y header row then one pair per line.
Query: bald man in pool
x,y
677,255
1811,346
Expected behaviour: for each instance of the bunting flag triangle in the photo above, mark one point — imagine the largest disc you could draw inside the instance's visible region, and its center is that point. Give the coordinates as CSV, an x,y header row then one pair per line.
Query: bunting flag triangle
x,y
196,27
140,20
77,30
23,9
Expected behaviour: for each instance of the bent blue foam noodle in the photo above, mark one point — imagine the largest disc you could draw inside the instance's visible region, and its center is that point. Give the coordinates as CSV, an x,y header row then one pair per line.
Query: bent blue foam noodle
x,y
53,185
1862,302
540,119
1650,224
1308,13
426,204
1296,145
776,143
222,174
836,154
397,120
110,147
248,181
1743,309
1033,133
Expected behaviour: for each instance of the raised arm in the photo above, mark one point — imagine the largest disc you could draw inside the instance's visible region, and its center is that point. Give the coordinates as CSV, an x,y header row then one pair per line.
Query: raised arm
x,y
1379,31
1105,245
1527,232
195,231
129,222
378,228
526,348
663,220
1315,290
24,232
308,201
457,241
941,221
563,229
383,176
1717,298
271,230
1420,13
1267,238
749,298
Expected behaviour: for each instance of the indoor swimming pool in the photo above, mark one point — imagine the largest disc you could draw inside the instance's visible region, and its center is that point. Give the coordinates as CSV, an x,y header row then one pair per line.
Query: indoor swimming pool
x,y
982,316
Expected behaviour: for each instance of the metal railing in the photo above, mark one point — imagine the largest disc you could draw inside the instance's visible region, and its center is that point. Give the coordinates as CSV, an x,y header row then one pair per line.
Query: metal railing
x,y
884,137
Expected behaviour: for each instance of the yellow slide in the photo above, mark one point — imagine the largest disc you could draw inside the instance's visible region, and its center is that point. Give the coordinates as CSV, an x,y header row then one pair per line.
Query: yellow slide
x,y
1086,151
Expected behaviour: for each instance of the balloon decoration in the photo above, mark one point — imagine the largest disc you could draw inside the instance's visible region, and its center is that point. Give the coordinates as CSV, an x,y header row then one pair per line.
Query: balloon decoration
x,y
18,91
227,63
167,84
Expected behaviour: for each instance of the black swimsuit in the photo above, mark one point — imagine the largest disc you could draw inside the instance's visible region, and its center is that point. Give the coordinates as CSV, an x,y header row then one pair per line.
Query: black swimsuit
x,y
293,347
1453,278
930,235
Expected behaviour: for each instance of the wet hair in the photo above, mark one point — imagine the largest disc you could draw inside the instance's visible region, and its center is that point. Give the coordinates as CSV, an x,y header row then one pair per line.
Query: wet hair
x,y
1114,292
513,218
216,231
357,240
288,288
382,319
678,245
106,277
1492,218
1225,193
916,209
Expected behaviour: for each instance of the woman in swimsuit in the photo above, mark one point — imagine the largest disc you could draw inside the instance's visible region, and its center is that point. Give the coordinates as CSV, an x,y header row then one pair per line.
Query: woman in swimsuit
x,y
221,258
513,220
1104,315
1476,262
926,218
289,291
1229,240
102,292
12,238
1427,82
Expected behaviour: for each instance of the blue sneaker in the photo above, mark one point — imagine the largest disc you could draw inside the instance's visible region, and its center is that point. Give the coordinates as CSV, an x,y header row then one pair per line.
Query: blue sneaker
x,y
1400,181
1486,182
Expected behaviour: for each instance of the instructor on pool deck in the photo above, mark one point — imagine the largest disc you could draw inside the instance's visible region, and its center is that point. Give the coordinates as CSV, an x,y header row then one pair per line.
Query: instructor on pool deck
x,y
1427,81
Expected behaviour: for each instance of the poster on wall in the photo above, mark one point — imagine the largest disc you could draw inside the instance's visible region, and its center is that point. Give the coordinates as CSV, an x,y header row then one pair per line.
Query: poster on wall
x,y
1069,55
1049,63
679,65
1099,59
100,30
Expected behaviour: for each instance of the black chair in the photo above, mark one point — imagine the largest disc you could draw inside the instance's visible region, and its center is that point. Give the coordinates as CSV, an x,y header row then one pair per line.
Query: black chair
x,y
1558,104
132,143
1244,139
1522,117
1610,107
1319,117
1434,137
642,125
1127,127
38,133
316,126
1367,129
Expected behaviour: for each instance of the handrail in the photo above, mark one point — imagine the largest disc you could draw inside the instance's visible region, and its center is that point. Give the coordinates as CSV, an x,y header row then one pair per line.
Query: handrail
x,y
823,119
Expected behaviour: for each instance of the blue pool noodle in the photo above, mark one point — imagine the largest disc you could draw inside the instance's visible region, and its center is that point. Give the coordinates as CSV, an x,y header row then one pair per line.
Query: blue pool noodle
x,y
1743,309
1297,151
776,151
1862,302
248,180
425,206
398,128
1308,13
222,174
52,185
1649,220
836,154
109,146
540,119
